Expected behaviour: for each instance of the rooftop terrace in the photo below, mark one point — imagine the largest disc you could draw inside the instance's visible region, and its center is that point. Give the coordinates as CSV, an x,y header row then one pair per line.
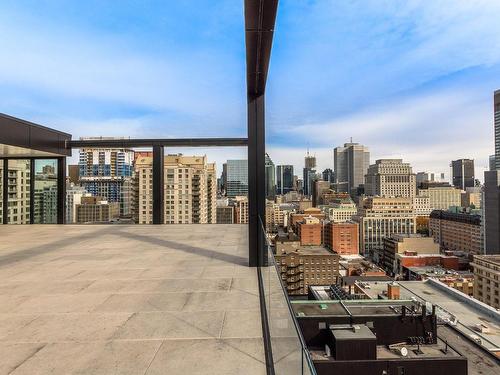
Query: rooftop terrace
x,y
128,300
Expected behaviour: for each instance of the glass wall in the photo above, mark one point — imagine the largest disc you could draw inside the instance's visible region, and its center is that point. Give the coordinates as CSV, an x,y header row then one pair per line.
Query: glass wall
x,y
18,190
45,191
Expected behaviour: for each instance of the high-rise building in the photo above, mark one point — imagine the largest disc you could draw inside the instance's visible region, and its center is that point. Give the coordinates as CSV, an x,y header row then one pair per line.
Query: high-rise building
x,y
190,190
45,192
237,178
270,177
107,173
309,174
463,173
491,208
497,128
491,163
351,163
381,217
390,178
284,179
74,174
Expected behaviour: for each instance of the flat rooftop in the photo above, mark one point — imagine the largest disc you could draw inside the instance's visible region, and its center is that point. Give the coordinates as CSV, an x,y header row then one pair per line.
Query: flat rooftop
x,y
119,299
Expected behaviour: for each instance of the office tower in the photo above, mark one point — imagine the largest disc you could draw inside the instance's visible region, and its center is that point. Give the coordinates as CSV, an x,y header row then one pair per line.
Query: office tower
x,y
381,217
270,177
351,163
497,128
236,178
486,276
107,173
74,196
492,162
190,190
390,178
96,210
328,175
491,208
284,179
241,210
463,173
456,231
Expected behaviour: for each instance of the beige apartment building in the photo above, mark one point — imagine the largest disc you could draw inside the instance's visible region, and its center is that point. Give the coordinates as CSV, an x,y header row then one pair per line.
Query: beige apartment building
x,y
390,178
275,216
487,279
190,190
442,197
382,217
456,231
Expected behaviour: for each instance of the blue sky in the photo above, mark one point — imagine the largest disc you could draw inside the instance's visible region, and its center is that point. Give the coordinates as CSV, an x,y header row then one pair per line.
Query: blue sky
x,y
410,79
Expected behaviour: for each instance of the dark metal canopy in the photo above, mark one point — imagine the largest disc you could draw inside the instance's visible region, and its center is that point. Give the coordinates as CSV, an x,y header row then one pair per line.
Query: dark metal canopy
x,y
20,138
167,142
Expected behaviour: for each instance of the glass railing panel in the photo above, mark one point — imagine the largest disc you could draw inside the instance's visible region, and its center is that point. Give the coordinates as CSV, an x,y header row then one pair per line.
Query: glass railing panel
x,y
290,354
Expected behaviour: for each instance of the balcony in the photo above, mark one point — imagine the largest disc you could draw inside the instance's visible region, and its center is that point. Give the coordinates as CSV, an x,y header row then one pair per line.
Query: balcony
x,y
82,298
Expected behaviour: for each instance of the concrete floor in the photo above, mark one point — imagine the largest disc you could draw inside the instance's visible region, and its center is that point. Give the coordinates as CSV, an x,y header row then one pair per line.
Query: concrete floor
x,y
116,299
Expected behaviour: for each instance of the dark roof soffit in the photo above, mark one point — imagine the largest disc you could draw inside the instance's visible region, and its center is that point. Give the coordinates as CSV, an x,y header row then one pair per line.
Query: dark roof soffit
x,y
260,17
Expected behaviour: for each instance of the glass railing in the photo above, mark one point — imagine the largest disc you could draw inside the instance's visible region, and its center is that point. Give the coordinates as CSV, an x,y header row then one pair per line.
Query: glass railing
x,y
289,351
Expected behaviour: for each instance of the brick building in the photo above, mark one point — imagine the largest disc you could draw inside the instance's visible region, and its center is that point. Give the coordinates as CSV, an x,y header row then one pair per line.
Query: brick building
x,y
343,238
309,231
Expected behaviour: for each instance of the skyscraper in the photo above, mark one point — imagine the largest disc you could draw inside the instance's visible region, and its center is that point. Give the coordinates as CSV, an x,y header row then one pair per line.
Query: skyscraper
x,y
351,163
497,128
309,173
463,173
390,178
270,177
284,179
492,162
491,207
107,173
237,178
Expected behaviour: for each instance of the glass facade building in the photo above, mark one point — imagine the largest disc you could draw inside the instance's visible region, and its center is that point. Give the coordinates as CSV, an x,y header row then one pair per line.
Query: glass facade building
x,y
237,178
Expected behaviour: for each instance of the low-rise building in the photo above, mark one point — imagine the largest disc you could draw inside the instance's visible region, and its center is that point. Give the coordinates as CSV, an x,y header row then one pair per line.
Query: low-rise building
x,y
312,211
307,265
96,210
456,231
309,231
406,244
341,237
340,209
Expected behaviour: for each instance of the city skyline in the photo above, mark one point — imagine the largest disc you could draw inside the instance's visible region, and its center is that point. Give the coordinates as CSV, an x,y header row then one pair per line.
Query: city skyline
x,y
418,69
